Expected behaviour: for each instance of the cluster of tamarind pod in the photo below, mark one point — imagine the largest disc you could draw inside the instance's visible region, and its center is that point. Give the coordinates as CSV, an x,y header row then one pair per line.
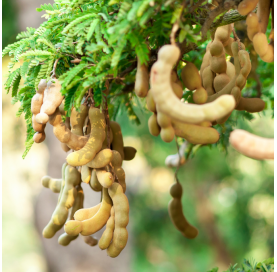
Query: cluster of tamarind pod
x,y
98,153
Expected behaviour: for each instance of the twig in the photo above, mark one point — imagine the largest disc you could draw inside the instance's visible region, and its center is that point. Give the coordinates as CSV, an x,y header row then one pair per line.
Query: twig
x,y
53,72
236,37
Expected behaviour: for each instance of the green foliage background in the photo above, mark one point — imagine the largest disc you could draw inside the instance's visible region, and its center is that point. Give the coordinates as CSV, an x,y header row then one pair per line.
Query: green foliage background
x,y
108,36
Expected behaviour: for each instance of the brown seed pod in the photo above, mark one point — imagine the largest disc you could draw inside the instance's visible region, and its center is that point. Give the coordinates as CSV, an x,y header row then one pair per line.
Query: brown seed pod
x,y
253,26
246,6
223,33
263,13
142,80
216,48
167,134
39,137
208,77
218,64
190,76
151,105
220,81
251,104
200,96
153,126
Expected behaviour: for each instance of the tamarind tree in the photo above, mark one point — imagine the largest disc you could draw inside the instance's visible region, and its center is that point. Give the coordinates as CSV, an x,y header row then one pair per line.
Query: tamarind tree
x,y
91,61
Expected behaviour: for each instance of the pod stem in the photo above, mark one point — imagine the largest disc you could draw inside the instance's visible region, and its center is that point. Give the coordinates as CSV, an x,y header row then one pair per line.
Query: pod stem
x,y
236,37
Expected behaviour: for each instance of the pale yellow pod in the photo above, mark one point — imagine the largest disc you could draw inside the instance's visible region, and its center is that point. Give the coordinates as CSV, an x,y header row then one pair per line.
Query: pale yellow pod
x,y
94,183
107,235
260,44
86,173
84,214
104,177
53,184
169,104
121,210
117,143
95,141
129,153
42,86
142,80
93,224
153,125
252,146
167,134
77,119
103,158
231,72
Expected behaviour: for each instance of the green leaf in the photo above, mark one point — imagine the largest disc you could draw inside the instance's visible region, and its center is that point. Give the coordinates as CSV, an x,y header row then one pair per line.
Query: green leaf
x,y
92,28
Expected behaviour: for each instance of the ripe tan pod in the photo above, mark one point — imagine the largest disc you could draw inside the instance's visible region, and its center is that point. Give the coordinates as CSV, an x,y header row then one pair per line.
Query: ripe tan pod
x,y
121,209
208,77
53,184
237,94
167,134
42,118
117,143
86,174
94,183
42,86
269,56
107,235
176,214
89,240
195,134
228,47
231,72
151,105
105,178
95,141
220,81
177,90
216,48
223,33
253,26
61,108
103,158
251,104
118,170
263,13
252,146
218,64
246,6
163,120
37,126
153,126
77,119
65,148
260,44
142,80
190,76
129,153
200,96
36,103
84,214
39,137
93,224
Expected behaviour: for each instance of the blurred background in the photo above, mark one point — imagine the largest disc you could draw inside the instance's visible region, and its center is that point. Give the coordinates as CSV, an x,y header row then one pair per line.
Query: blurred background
x,y
227,196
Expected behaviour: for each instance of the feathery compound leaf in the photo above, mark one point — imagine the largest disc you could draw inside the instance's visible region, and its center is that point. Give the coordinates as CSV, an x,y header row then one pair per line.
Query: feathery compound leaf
x,y
118,51
28,146
35,53
79,46
16,85
48,43
78,20
92,28
11,79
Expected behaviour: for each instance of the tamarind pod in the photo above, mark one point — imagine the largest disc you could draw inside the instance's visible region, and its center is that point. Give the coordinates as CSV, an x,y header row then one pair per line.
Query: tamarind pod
x,y
163,120
107,235
151,105
84,214
77,119
223,33
269,56
142,80
246,6
220,81
41,86
104,177
180,84
103,158
272,18
153,126
216,48
205,124
241,81
86,173
65,239
263,13
195,134
176,214
121,210
90,240
173,76
170,104
94,183
117,143
93,224
260,44
230,71
39,137
228,88
36,103
53,184
95,141
218,64
223,119
176,190
61,108
200,96
177,89
36,126
118,170
66,201
227,47
65,147
208,78
167,134
190,76
105,143
129,153
237,94
253,26
245,63
205,63
52,97
42,118
64,135
250,104
252,146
